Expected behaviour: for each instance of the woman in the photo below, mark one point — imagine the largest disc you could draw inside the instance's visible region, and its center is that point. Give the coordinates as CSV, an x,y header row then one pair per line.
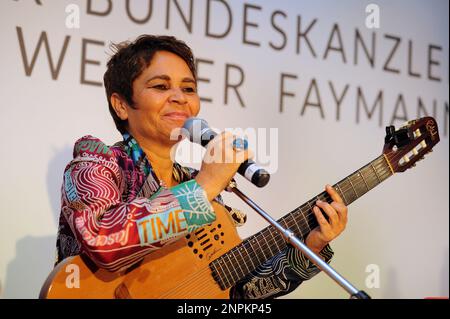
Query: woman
x,y
112,197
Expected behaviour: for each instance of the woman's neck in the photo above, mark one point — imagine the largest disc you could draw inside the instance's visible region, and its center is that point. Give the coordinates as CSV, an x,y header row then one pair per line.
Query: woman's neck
x,y
162,165
160,159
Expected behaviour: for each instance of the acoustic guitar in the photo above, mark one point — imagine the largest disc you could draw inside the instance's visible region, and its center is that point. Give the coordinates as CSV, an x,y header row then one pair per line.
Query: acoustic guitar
x,y
209,261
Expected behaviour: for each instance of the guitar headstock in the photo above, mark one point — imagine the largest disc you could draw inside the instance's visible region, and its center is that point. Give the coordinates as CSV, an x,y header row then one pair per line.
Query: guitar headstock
x,y
408,144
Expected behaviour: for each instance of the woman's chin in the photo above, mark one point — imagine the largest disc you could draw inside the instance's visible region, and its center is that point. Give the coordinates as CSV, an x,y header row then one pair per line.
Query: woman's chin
x,y
175,133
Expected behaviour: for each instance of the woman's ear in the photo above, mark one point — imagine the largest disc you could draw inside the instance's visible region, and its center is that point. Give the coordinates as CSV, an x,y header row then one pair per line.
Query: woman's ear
x,y
119,106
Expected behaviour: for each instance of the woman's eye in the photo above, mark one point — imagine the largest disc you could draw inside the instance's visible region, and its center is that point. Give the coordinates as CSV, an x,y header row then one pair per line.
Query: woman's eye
x,y
189,90
160,87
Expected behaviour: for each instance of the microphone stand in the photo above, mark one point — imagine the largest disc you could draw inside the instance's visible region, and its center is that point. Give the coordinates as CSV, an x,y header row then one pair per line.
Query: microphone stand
x,y
290,237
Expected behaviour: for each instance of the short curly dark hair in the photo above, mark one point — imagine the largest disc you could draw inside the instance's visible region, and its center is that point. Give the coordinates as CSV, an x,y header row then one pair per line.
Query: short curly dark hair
x,y
129,61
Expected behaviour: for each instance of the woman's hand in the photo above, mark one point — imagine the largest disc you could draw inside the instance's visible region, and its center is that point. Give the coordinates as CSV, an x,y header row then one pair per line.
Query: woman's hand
x,y
220,164
320,236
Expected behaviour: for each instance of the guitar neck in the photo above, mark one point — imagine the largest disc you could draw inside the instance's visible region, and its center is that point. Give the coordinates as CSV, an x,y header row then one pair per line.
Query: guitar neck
x,y
255,250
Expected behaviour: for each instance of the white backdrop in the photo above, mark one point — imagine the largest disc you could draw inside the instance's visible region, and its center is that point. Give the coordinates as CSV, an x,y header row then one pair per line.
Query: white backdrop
x,y
401,227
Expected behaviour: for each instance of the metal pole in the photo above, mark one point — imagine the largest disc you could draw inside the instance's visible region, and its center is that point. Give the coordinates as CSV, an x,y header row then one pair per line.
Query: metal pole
x,y
294,241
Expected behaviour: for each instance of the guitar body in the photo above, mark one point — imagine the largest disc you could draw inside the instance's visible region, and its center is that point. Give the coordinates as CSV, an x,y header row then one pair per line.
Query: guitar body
x,y
179,270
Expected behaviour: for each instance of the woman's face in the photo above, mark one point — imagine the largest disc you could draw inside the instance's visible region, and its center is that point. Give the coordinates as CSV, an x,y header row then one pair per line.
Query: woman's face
x,y
164,96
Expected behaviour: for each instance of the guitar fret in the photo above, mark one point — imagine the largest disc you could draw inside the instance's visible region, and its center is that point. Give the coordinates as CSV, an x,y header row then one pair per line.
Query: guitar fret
x,y
310,213
267,243
285,224
346,186
309,204
239,264
254,251
342,193
367,185
261,250
369,177
388,164
307,224
243,260
353,187
253,248
257,252
230,273
299,229
359,183
377,175
312,221
385,175
216,274
251,259
385,166
224,273
276,242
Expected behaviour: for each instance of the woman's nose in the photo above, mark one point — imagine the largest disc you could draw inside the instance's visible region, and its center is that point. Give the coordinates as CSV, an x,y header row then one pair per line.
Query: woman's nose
x,y
177,96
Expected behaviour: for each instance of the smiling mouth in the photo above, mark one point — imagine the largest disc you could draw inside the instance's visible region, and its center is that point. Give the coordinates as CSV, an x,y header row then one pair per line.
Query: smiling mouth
x,y
177,116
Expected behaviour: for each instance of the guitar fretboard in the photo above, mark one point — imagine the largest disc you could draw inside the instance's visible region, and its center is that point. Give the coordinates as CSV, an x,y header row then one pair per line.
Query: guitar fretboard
x,y
233,266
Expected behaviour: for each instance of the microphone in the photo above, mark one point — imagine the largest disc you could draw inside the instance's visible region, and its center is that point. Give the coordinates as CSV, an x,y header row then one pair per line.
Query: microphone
x,y
200,133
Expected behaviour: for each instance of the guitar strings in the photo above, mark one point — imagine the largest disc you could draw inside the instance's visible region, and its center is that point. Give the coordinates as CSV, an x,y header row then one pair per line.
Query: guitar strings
x,y
190,281
252,251
306,214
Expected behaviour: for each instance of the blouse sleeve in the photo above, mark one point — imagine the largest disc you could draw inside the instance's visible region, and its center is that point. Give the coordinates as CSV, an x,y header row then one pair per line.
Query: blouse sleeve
x,y
116,233
279,275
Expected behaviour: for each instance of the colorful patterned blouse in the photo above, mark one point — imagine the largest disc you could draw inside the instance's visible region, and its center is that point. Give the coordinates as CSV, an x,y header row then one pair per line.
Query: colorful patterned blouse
x,y
112,202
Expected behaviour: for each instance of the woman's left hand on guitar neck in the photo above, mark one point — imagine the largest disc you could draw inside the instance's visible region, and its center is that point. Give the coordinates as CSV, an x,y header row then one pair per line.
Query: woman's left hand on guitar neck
x,y
320,236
